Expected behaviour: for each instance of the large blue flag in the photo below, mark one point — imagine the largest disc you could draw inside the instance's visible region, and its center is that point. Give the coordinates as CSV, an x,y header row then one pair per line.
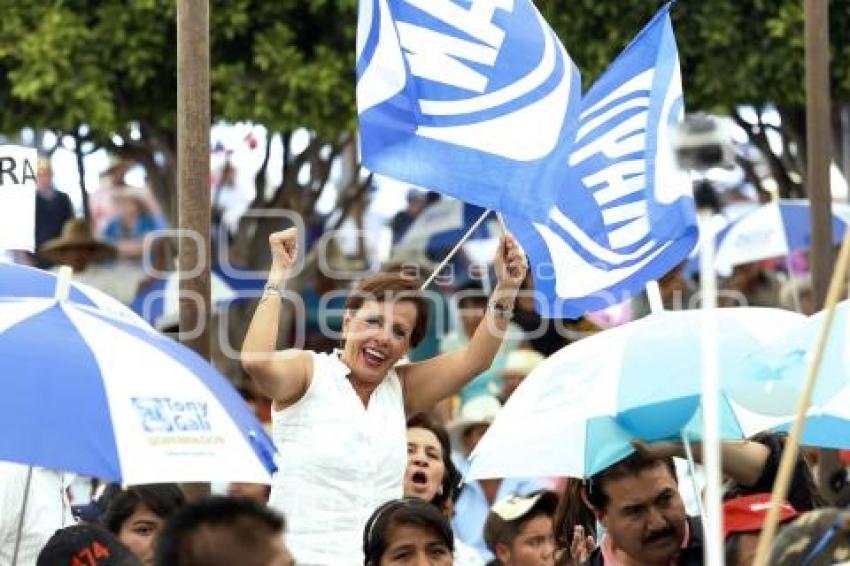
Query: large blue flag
x,y
476,99
627,215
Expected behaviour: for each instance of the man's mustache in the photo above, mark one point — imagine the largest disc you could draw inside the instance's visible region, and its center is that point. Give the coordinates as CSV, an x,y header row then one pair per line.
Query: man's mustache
x,y
659,535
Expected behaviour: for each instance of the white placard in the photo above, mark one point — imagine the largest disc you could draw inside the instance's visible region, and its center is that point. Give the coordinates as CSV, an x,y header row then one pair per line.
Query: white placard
x,y
17,197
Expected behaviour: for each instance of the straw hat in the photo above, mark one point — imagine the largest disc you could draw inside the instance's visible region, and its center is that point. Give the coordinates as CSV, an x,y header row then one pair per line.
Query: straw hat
x,y
479,410
76,234
521,361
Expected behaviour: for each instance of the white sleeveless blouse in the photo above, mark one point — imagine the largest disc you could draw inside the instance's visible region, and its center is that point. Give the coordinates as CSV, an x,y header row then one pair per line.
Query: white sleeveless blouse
x,y
338,462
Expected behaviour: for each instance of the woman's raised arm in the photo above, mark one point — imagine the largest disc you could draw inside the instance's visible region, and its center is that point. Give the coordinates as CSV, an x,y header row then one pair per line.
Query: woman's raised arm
x,y
282,375
429,381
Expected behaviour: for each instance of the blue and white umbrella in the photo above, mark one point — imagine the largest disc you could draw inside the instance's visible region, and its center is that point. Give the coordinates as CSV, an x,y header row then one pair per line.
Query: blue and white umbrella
x,y
579,410
86,392
772,230
19,281
773,396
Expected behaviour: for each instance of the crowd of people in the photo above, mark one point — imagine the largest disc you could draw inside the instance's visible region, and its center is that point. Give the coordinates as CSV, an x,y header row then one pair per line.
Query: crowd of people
x,y
375,433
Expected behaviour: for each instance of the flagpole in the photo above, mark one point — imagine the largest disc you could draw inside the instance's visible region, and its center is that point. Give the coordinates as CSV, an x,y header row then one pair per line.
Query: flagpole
x,y
653,295
454,251
502,224
713,519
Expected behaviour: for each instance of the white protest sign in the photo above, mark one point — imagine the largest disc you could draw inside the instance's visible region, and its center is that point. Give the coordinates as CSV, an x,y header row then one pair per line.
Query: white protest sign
x,y
17,197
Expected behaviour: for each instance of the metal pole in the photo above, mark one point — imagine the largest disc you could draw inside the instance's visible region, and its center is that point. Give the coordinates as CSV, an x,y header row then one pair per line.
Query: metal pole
x,y
845,145
819,143
193,164
455,249
193,183
711,453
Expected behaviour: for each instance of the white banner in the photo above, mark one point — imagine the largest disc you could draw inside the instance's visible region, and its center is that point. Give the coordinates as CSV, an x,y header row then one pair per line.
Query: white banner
x,y
17,197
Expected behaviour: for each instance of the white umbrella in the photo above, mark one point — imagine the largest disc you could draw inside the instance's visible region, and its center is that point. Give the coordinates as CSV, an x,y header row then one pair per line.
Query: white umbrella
x,y
579,410
772,230
771,400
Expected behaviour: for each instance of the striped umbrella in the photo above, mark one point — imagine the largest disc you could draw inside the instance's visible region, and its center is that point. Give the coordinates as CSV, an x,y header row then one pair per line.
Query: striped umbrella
x,y
85,391
19,281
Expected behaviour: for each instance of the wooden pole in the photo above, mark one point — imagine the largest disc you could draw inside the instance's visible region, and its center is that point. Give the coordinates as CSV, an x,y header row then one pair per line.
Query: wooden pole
x,y
193,183
193,164
819,144
789,454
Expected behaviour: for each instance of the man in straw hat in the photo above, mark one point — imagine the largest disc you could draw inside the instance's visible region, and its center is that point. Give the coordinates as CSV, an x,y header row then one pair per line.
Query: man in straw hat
x,y
476,497
77,248
518,365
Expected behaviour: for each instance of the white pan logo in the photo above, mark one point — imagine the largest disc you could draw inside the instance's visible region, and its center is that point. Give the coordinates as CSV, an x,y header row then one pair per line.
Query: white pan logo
x,y
610,158
471,73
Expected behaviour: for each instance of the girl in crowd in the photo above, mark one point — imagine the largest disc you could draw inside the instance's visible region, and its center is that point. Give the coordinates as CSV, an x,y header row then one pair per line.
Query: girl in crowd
x,y
407,531
137,514
339,419
432,476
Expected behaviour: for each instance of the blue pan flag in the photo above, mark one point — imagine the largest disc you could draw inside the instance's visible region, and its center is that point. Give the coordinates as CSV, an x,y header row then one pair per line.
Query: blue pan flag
x,y
478,100
626,216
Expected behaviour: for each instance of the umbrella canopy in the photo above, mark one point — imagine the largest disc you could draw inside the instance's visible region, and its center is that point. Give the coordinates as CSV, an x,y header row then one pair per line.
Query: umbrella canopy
x,y
86,392
19,281
774,396
579,410
772,230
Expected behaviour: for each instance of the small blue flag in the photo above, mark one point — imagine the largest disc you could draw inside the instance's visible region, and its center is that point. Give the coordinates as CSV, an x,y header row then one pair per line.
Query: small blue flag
x,y
627,214
477,99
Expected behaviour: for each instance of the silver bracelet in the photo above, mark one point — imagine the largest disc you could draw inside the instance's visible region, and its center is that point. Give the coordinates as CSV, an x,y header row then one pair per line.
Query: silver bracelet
x,y
500,311
272,288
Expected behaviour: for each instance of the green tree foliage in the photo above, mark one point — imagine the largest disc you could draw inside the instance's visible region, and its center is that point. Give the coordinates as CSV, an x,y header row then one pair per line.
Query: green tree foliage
x,y
111,65
733,53
288,64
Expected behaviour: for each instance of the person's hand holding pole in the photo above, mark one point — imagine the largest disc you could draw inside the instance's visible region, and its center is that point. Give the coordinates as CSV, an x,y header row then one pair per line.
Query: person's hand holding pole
x,y
511,268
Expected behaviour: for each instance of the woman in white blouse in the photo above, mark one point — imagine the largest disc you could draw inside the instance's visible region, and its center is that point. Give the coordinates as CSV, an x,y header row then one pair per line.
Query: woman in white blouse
x,y
339,419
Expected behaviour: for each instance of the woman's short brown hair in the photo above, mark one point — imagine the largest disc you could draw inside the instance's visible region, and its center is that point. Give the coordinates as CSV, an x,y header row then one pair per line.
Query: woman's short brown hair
x,y
394,286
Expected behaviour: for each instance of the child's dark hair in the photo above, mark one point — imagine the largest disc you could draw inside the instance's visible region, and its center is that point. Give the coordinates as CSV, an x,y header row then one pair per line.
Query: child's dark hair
x,y
163,499
408,511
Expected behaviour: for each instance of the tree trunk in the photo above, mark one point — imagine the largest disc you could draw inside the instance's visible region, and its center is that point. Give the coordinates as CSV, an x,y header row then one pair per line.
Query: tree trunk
x,y
788,188
81,171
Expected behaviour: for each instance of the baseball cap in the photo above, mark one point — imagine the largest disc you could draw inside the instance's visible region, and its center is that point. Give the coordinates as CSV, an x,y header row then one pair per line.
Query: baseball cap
x,y
85,545
515,509
747,514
